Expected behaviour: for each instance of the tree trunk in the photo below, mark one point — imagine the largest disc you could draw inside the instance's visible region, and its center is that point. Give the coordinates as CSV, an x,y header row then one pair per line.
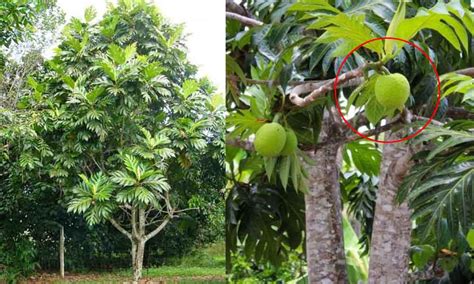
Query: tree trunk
x,y
134,255
389,251
138,260
324,236
61,252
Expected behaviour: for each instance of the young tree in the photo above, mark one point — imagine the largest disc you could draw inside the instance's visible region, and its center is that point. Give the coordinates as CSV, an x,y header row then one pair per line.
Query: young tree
x,y
282,61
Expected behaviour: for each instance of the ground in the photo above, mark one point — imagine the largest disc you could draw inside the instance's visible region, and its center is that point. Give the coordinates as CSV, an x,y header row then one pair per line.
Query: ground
x,y
206,265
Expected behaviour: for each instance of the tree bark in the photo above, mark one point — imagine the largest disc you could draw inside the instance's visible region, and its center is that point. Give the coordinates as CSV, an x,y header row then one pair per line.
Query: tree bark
x,y
61,251
324,236
138,260
134,257
389,252
138,236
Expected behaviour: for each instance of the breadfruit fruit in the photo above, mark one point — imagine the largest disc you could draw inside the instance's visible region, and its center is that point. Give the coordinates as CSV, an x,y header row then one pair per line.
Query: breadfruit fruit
x,y
291,143
270,139
392,91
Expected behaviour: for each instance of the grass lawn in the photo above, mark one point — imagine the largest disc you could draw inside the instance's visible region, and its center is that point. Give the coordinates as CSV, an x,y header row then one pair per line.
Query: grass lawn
x,y
206,265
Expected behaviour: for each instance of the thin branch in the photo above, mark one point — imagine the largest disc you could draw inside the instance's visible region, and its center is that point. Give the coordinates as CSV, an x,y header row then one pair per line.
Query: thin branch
x,y
467,72
269,83
244,20
184,210
120,228
379,130
169,208
158,229
125,211
244,144
459,113
321,88
375,131
231,6
154,221
422,118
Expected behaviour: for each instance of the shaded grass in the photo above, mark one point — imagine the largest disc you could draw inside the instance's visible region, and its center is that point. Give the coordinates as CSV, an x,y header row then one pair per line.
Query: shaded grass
x,y
205,265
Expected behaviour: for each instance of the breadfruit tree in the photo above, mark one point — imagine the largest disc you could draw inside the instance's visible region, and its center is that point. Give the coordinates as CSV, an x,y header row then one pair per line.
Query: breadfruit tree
x,y
282,60
110,119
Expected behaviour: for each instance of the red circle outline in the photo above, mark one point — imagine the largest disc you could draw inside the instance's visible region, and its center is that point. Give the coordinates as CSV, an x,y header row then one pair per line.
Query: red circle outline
x,y
336,99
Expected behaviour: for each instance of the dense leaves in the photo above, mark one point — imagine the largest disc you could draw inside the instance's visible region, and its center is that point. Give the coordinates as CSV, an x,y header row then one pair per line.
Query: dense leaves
x,y
117,119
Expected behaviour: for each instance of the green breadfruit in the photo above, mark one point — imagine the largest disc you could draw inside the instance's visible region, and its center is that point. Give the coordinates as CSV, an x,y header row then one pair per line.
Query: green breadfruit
x,y
392,91
291,143
270,139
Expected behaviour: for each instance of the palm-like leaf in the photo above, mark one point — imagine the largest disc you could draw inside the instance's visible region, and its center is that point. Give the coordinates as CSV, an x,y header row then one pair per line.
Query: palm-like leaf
x,y
269,222
140,183
441,188
92,197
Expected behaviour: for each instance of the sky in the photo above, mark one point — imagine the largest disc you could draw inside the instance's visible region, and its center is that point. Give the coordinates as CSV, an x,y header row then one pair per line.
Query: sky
x,y
204,25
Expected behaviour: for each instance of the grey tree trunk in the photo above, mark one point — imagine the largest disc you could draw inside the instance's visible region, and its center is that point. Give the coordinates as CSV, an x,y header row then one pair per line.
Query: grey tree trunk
x,y
138,261
134,257
324,236
389,251
138,236
61,252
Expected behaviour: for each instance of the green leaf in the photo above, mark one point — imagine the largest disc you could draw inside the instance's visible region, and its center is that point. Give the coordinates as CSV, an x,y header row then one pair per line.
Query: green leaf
x,y
365,157
470,238
397,18
269,166
94,94
89,14
422,255
109,69
295,171
374,111
368,92
444,24
123,179
448,263
312,6
350,28
284,172
354,95
363,93
152,70
68,81
233,67
117,54
189,87
244,123
130,51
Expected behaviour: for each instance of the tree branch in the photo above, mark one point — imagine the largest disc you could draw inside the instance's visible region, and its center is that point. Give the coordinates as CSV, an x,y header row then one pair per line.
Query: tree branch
x,y
459,113
231,6
467,72
269,82
134,221
244,20
120,228
321,88
244,144
350,78
158,229
184,210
